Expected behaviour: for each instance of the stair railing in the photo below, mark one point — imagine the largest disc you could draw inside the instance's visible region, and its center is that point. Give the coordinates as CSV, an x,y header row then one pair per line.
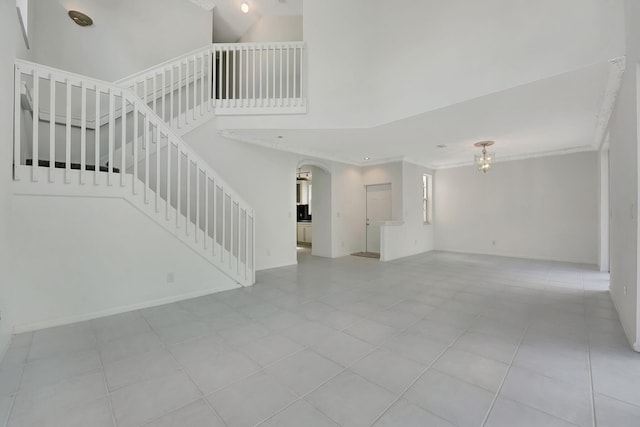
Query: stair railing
x,y
92,128
230,78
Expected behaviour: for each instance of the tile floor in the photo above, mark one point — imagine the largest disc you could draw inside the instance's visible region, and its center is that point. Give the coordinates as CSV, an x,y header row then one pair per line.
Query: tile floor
x,y
438,339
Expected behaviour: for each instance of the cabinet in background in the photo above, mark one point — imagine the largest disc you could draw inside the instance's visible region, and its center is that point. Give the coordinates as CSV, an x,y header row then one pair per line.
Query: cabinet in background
x,y
304,232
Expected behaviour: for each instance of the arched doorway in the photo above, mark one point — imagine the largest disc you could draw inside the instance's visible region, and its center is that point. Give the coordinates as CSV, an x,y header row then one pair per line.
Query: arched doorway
x,y
313,209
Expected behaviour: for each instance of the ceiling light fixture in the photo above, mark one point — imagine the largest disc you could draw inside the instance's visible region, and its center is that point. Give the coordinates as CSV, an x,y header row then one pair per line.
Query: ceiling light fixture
x,y
367,158
484,160
80,18
244,7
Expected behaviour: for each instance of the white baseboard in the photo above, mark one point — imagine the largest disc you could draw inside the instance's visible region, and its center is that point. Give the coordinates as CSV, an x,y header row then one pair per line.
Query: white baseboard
x,y
5,340
634,345
17,329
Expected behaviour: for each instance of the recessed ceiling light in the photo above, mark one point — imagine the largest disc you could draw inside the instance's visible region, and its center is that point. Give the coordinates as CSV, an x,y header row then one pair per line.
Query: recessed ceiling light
x,y
244,7
367,158
441,146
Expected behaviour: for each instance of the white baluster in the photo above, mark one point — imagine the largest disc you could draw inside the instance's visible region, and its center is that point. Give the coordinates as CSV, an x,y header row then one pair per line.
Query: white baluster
x,y
155,92
265,98
221,76
295,74
146,147
83,131
158,135
112,136
134,145
232,232
226,94
281,71
179,121
123,141
214,219
36,120
186,91
206,210
224,225
302,67
52,126
253,103
17,123
197,228
178,184
240,75
272,103
187,221
67,166
96,155
172,77
203,85
169,150
234,73
162,93
195,86
211,79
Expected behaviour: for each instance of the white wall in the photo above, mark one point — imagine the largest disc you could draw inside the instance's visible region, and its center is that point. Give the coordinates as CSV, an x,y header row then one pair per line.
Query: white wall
x,y
387,173
265,178
540,208
96,256
432,54
321,216
623,186
8,31
347,194
338,38
274,29
126,37
411,235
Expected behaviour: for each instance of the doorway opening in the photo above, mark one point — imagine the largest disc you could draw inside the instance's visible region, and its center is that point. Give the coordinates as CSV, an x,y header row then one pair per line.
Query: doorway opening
x,y
313,209
378,210
304,208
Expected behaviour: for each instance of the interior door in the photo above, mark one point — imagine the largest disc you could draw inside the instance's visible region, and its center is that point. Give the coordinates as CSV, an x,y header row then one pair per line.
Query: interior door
x,y
378,211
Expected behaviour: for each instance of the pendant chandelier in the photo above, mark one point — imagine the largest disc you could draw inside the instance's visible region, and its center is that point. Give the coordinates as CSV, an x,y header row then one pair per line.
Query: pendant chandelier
x,y
484,160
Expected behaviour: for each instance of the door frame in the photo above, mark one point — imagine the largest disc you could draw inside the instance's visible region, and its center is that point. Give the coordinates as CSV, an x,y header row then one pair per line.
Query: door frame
x,y
390,184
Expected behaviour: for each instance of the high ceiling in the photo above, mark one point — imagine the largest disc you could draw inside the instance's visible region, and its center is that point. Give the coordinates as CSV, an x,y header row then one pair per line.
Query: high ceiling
x,y
230,23
556,115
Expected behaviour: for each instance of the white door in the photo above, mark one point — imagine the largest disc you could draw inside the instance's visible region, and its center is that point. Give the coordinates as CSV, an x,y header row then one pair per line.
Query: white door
x,y
378,211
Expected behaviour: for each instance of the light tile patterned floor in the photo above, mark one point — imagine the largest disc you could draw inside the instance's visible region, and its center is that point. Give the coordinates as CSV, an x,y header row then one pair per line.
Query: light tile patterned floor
x,y
438,339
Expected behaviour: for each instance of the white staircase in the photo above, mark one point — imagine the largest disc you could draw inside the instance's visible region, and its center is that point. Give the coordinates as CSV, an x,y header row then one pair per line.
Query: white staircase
x,y
82,137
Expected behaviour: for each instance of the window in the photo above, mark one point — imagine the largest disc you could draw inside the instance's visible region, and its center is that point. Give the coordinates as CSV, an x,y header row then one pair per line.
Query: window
x,y
427,198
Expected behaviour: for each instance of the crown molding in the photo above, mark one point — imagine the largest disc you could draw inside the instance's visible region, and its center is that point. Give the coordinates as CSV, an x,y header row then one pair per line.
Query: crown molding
x,y
560,152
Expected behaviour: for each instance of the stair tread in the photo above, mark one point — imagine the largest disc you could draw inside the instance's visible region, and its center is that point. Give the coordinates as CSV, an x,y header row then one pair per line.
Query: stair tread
x,y
63,165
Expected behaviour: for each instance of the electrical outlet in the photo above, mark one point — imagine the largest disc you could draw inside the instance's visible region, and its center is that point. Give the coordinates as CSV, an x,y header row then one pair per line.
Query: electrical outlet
x,y
171,277
268,252
625,290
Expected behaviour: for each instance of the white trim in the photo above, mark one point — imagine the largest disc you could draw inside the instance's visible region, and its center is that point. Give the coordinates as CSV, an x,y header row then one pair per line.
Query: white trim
x,y
4,345
614,83
635,346
559,152
17,329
